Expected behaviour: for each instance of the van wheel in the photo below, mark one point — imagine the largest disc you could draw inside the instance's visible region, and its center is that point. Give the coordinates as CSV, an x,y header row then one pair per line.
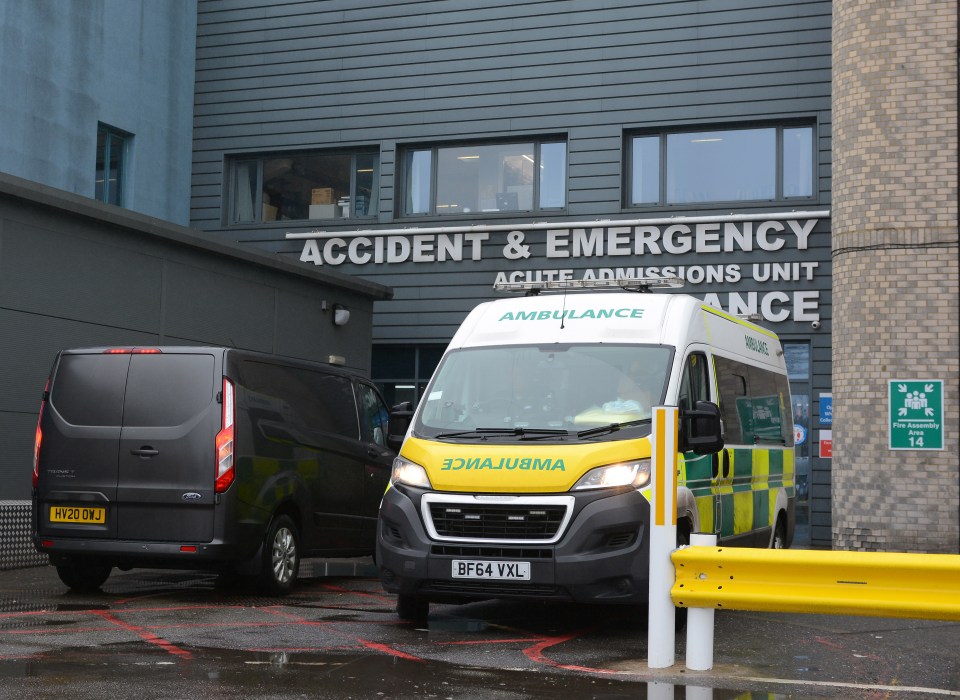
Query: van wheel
x,y
281,557
779,540
411,608
83,577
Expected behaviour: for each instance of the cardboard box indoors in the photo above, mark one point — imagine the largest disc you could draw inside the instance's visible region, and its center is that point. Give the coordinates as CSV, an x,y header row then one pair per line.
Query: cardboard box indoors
x,y
321,195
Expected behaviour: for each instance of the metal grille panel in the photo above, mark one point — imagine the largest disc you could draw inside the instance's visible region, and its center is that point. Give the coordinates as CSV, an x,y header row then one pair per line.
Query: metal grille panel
x,y
497,521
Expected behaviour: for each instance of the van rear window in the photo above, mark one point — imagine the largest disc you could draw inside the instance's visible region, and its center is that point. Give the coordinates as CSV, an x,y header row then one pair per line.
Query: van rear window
x,y
88,389
168,389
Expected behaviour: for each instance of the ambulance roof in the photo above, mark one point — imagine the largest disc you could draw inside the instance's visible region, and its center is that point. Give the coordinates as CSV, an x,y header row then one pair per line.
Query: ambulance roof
x,y
614,317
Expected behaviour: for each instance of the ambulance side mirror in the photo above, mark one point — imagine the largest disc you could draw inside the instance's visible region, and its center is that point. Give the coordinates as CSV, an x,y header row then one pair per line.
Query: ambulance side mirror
x,y
399,423
701,430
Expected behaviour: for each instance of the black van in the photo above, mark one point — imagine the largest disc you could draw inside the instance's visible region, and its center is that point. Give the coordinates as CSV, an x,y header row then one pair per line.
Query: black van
x,y
205,458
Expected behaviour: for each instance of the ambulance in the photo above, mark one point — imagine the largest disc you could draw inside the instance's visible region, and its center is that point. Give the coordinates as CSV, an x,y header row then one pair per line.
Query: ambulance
x,y
524,471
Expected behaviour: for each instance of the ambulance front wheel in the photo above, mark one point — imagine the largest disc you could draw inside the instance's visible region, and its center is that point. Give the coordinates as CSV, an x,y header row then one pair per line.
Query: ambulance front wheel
x,y
779,540
411,608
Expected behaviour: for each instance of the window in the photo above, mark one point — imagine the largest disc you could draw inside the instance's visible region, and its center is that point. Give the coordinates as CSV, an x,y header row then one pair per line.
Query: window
x,y
402,371
553,386
754,404
695,385
484,178
692,167
111,164
374,416
304,401
304,186
88,389
167,390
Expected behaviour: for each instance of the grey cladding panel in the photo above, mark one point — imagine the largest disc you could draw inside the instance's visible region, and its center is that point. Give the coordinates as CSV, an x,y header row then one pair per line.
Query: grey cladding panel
x,y
30,342
51,273
218,309
16,451
305,330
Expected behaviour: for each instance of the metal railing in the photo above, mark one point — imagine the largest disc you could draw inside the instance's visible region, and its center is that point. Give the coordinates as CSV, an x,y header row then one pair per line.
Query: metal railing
x,y
879,584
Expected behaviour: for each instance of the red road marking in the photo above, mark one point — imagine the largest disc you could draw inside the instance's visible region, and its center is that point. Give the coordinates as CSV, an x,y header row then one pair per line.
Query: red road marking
x,y
362,594
148,637
468,642
390,650
535,654
828,643
296,619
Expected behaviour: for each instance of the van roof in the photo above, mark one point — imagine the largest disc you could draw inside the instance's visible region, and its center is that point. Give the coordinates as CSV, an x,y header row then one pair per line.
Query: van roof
x,y
236,353
615,317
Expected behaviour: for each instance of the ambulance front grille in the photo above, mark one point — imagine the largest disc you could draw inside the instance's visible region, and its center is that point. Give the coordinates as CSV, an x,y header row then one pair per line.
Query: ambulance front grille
x,y
497,521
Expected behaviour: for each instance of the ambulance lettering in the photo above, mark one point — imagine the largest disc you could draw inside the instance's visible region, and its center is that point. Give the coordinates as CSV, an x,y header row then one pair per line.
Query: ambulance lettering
x,y
525,464
758,346
571,314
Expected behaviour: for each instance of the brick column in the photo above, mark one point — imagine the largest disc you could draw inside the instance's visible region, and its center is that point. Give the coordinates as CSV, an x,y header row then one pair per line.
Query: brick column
x,y
895,270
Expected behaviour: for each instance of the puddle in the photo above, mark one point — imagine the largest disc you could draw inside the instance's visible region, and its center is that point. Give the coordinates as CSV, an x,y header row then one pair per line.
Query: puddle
x,y
116,670
79,607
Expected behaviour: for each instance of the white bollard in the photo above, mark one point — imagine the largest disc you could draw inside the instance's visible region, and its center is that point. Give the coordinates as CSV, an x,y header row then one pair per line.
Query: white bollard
x,y
700,622
661,630
660,691
696,692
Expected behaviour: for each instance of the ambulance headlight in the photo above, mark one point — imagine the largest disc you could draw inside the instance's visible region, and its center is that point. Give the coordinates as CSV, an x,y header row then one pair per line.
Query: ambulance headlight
x,y
409,473
636,474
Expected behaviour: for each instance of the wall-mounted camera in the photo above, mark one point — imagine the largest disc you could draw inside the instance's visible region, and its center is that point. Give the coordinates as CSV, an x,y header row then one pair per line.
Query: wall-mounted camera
x,y
815,325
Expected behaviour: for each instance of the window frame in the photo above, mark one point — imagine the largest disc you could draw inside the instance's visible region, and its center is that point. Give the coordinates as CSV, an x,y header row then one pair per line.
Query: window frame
x,y
405,158
752,378
662,135
111,133
233,181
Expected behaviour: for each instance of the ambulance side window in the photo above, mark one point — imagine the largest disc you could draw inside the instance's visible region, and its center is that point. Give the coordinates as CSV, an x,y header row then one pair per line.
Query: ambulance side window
x,y
695,385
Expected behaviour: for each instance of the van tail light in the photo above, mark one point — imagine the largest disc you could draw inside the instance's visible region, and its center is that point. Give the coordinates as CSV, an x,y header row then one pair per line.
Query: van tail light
x,y
132,351
225,469
39,436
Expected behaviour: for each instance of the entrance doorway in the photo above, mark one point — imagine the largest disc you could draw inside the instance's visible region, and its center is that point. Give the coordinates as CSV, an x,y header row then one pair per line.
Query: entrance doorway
x,y
797,356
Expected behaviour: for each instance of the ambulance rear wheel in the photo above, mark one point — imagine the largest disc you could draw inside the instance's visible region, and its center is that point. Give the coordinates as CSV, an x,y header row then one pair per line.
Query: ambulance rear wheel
x,y
411,608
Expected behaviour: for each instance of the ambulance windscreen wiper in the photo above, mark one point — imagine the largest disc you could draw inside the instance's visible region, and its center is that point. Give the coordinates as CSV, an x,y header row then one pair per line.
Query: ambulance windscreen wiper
x,y
611,428
525,433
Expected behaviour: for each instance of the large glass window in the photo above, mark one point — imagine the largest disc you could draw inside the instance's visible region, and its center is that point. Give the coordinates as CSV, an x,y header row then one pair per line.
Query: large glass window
x,y
304,186
402,371
485,178
730,165
112,147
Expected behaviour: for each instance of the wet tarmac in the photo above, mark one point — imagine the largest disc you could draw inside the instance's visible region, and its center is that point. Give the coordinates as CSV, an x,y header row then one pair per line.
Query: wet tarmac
x,y
163,634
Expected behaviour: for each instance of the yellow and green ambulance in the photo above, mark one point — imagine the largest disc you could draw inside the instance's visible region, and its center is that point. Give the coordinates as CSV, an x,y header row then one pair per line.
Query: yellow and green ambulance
x,y
525,469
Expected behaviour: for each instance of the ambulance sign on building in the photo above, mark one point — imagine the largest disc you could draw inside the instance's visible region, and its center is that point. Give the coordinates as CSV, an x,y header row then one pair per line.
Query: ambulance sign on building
x,y
916,414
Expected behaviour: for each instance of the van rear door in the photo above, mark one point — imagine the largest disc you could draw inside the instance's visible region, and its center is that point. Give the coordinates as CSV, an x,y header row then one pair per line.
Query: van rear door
x,y
77,467
166,462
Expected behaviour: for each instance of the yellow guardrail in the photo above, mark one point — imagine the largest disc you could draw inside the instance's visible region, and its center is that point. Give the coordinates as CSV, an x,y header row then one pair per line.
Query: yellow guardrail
x,y
879,584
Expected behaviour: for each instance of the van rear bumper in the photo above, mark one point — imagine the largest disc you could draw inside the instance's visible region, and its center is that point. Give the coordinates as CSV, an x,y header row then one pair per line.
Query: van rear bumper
x,y
601,558
123,553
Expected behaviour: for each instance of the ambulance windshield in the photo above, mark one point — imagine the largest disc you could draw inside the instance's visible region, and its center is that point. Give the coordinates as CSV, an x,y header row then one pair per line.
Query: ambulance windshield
x,y
547,388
